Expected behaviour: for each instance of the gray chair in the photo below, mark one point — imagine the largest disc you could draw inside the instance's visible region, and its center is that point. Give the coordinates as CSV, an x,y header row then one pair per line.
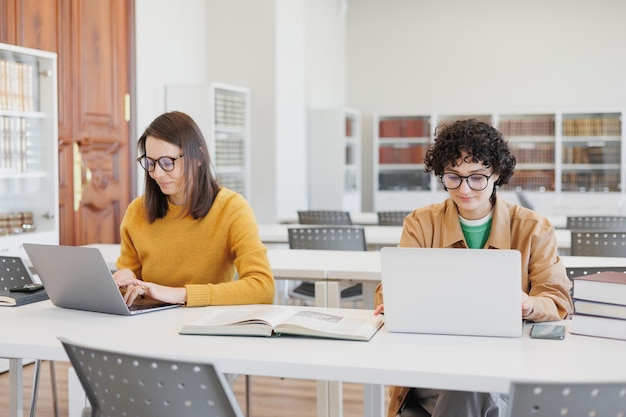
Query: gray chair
x,y
13,273
596,223
523,199
567,399
598,243
582,271
121,384
327,238
325,217
391,218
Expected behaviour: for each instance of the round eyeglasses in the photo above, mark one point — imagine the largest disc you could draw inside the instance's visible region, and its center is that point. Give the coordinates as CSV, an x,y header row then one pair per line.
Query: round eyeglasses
x,y
476,182
165,162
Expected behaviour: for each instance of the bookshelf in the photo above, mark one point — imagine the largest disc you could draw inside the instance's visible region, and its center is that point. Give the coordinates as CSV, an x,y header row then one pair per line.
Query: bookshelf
x,y
559,154
29,208
230,136
532,139
592,152
222,113
334,162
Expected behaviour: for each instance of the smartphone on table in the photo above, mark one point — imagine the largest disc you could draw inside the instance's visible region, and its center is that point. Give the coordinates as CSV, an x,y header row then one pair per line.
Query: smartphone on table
x,y
547,331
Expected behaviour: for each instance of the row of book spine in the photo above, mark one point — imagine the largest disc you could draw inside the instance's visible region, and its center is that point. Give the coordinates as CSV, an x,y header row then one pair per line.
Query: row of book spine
x,y
536,153
413,154
230,109
600,305
19,145
404,128
229,152
593,126
17,85
528,126
532,180
609,153
590,181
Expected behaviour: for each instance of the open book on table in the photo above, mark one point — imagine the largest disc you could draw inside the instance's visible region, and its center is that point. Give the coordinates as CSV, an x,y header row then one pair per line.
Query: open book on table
x,y
271,320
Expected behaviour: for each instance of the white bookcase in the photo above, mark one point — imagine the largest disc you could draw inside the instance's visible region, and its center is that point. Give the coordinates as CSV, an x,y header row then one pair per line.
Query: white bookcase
x,y
334,162
223,114
230,136
567,161
29,206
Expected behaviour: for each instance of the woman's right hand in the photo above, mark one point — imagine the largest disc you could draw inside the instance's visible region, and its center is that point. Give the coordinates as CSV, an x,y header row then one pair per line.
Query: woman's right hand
x,y
379,310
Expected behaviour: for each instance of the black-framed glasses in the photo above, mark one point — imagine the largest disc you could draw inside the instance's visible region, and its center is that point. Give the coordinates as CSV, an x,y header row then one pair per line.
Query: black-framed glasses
x,y
165,162
476,182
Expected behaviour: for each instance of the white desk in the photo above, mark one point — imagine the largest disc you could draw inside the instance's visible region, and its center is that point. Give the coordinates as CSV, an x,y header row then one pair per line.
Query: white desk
x,y
375,236
370,218
328,268
452,362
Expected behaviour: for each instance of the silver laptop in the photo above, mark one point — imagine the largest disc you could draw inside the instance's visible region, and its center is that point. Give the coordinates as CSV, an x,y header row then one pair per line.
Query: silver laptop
x,y
78,277
470,292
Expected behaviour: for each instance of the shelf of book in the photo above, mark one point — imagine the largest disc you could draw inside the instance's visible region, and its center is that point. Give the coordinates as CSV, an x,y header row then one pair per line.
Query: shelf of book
x,y
28,148
555,151
230,136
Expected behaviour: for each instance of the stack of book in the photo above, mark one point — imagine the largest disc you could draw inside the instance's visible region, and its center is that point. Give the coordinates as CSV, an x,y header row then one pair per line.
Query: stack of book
x,y
600,305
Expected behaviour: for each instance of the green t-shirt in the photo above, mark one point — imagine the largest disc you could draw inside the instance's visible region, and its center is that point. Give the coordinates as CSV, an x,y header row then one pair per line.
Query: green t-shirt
x,y
476,232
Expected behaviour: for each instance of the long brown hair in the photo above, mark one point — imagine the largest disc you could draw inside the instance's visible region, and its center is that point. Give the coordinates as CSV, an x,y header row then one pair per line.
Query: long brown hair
x,y
201,186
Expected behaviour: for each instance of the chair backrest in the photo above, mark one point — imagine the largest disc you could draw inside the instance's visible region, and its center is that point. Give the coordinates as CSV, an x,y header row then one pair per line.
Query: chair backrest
x,y
597,223
124,384
566,399
13,273
325,217
330,238
583,271
598,243
523,200
391,218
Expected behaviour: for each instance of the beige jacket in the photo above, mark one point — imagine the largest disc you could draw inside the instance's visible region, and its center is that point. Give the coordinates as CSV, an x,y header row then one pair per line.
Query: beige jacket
x,y
513,227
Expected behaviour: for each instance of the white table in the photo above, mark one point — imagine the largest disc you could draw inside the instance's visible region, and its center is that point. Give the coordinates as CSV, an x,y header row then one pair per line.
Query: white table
x,y
370,218
328,268
448,362
276,235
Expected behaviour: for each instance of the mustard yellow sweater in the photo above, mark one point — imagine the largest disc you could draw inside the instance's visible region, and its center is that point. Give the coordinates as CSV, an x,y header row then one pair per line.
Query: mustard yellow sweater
x,y
202,255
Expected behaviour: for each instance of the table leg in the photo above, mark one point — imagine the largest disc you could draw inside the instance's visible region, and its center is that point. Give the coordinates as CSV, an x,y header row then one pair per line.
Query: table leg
x,y
373,400
16,407
329,393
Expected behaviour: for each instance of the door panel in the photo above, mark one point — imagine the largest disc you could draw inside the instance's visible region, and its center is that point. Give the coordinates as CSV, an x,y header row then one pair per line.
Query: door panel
x,y
100,50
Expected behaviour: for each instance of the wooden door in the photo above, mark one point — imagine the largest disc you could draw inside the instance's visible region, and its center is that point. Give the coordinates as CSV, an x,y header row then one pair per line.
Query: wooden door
x,y
93,40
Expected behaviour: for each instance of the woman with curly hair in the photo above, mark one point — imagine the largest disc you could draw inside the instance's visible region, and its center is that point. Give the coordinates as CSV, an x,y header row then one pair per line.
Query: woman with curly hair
x,y
472,160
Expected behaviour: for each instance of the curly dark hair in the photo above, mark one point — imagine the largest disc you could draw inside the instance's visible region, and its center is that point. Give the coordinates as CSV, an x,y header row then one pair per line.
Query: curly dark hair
x,y
482,142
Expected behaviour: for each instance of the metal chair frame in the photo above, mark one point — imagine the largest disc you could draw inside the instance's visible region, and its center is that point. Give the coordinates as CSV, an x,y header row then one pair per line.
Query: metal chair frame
x,y
325,217
120,384
597,223
13,273
567,399
327,238
598,243
391,218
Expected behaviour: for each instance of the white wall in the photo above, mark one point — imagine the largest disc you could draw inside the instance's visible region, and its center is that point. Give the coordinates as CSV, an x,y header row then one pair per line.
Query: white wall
x,y
169,36
262,45
291,147
457,56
